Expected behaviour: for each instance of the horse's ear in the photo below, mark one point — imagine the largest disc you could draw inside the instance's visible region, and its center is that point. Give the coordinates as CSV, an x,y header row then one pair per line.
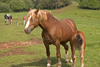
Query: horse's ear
x,y
37,11
30,9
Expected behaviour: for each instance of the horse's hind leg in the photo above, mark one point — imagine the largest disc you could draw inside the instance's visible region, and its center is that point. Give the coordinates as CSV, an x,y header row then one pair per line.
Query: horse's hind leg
x,y
66,52
82,56
73,57
48,54
73,53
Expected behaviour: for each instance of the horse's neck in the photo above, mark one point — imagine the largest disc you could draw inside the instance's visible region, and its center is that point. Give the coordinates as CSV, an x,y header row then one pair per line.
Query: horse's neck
x,y
49,23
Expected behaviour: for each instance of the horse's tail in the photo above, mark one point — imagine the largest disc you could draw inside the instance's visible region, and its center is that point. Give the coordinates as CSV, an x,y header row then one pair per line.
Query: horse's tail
x,y
79,39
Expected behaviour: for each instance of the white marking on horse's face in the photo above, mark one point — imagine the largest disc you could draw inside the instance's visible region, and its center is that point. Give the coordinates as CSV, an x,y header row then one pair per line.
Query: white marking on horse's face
x,y
28,22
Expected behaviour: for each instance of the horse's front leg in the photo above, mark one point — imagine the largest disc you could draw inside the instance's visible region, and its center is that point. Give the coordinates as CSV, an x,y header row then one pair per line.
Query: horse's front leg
x,y
48,54
58,52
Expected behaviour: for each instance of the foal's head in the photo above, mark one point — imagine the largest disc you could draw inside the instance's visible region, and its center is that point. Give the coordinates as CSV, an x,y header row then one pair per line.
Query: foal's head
x,y
32,20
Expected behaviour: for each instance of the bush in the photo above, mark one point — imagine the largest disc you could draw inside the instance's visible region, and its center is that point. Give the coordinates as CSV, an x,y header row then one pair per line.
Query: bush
x,y
5,1
46,4
24,5
50,4
66,2
4,7
91,4
28,4
17,5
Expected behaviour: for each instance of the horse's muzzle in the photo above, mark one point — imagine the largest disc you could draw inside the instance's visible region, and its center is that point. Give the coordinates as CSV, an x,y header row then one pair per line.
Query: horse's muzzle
x,y
27,31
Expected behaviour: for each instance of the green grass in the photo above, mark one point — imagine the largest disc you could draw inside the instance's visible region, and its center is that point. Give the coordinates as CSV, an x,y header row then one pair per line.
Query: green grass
x,y
13,32
86,20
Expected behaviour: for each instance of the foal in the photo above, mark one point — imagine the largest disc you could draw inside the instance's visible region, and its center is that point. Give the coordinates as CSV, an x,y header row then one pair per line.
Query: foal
x,y
56,32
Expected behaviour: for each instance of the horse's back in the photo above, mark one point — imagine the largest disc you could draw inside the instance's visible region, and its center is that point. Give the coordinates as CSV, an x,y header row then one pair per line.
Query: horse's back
x,y
70,23
68,27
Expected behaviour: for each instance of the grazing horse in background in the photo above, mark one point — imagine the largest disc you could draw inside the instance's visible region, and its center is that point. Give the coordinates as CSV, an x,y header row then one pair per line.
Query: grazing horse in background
x,y
56,32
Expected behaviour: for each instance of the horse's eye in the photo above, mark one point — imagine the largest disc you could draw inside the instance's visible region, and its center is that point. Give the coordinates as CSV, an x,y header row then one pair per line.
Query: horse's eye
x,y
32,20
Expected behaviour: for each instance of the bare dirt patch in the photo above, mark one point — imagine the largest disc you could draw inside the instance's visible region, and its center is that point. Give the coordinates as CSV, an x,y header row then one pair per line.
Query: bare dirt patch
x,y
16,51
6,45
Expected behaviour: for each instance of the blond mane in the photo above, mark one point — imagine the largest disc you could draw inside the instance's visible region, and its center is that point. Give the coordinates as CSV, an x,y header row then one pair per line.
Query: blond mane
x,y
42,14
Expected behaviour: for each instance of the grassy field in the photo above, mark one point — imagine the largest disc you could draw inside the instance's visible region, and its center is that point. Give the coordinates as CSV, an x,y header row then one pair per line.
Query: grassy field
x,y
13,32
86,20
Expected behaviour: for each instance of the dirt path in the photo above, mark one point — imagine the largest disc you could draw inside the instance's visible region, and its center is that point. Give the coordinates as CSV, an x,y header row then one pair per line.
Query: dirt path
x,y
15,51
6,45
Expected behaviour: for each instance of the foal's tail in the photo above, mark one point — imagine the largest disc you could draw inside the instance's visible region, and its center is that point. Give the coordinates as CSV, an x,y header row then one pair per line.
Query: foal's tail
x,y
79,38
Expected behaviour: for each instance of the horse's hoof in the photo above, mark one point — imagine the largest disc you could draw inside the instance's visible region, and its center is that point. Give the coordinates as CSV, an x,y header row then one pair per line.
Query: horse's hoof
x,y
48,65
59,66
82,65
71,61
67,61
73,66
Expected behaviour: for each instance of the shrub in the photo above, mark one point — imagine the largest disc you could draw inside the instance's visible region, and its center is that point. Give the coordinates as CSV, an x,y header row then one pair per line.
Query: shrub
x,y
50,4
28,4
91,4
17,5
5,1
4,7
66,2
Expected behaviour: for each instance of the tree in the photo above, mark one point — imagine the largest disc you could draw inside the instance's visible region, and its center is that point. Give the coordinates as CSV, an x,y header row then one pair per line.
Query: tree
x,y
75,0
91,4
4,7
42,4
5,1
51,4
58,4
28,4
22,5
66,2
17,5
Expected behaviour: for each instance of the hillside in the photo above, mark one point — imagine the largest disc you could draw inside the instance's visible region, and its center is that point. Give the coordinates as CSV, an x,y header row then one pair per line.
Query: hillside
x,y
21,50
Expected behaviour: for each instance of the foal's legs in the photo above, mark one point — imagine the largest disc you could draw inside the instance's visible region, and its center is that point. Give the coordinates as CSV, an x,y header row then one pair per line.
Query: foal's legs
x,y
48,54
73,54
58,52
66,52
73,57
82,57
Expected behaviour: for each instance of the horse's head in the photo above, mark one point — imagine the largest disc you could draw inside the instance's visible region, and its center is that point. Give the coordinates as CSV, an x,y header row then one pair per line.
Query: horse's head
x,y
32,21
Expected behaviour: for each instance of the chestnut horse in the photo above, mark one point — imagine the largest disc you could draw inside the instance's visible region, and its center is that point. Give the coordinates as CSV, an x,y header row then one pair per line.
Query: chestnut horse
x,y
56,32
